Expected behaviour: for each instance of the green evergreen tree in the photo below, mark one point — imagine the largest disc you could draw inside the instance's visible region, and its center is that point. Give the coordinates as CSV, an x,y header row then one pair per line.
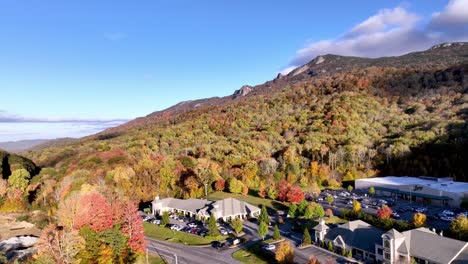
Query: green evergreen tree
x,y
302,207
330,246
276,233
212,228
308,213
263,230
292,210
263,217
165,219
306,240
237,225
350,253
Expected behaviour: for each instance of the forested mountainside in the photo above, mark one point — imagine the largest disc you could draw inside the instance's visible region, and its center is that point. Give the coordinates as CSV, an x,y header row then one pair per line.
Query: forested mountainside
x,y
12,162
335,119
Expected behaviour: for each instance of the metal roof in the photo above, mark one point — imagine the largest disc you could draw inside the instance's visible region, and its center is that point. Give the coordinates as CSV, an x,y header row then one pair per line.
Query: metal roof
x,y
440,184
415,194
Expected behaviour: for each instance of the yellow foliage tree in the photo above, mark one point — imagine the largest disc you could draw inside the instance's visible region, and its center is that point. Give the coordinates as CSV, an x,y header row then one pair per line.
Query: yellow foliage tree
x,y
284,253
419,219
356,206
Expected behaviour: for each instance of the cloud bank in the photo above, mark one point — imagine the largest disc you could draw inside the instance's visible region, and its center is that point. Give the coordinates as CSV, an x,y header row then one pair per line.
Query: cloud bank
x,y
392,32
13,127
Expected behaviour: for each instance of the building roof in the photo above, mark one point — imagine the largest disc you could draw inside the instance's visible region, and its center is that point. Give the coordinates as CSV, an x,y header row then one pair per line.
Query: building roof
x,y
441,184
230,207
357,234
423,195
425,244
321,226
395,234
462,258
190,205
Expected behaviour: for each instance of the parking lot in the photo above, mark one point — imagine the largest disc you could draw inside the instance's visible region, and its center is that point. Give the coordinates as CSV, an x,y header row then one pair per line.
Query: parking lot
x,y
189,225
438,217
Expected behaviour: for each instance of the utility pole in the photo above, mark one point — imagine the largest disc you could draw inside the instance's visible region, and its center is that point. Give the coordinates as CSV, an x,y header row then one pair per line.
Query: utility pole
x,y
175,257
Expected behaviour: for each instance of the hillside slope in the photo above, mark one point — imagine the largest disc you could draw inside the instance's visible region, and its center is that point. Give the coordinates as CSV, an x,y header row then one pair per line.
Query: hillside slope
x,y
11,162
335,119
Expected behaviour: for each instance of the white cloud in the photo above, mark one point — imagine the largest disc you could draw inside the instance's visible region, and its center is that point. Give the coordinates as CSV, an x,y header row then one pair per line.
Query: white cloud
x,y
391,32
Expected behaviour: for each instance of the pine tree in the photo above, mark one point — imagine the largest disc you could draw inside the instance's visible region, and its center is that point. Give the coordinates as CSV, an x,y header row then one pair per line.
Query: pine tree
x,y
330,246
276,233
165,219
307,240
263,230
292,210
263,217
212,228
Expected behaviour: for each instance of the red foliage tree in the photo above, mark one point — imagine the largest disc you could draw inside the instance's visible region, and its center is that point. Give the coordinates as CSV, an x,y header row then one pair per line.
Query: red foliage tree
x,y
220,184
295,194
283,189
95,212
133,227
384,213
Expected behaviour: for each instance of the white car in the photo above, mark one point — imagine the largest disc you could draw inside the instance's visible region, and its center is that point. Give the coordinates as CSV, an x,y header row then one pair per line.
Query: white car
x,y
447,218
223,232
269,247
448,212
177,227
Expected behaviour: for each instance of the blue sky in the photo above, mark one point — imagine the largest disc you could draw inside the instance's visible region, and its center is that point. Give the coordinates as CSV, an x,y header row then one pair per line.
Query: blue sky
x,y
91,64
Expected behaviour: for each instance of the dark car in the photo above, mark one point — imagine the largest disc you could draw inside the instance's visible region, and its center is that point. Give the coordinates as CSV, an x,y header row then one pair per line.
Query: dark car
x,y
218,245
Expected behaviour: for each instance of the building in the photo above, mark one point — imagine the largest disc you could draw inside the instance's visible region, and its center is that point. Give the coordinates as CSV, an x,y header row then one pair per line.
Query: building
x,y
439,191
226,209
371,244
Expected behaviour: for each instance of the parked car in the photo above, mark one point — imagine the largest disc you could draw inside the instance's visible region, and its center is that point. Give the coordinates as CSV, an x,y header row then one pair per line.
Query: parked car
x,y
155,221
269,247
177,227
192,224
446,218
223,231
448,212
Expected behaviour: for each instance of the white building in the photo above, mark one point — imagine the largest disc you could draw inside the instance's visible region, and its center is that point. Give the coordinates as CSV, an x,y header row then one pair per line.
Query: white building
x,y
441,191
374,245
226,209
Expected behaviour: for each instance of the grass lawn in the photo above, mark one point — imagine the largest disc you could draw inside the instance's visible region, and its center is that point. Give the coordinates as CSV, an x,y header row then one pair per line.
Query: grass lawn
x,y
152,259
254,255
257,201
166,234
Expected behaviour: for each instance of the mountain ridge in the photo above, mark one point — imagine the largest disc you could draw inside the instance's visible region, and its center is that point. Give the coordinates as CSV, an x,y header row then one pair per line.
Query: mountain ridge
x,y
440,55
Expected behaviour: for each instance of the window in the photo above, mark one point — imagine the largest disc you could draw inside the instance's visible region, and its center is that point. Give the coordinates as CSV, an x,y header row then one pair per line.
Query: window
x,y
387,256
380,251
386,243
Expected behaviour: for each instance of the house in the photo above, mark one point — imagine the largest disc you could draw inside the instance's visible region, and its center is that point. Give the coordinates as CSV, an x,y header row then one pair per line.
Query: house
x,y
357,236
226,209
375,245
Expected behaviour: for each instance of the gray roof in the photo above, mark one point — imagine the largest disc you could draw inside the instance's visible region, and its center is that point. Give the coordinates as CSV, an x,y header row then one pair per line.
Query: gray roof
x,y
357,234
395,234
425,244
462,258
321,226
190,205
229,207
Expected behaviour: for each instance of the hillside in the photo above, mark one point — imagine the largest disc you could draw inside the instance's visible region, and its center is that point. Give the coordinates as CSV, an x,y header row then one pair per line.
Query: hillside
x,y
11,162
21,145
334,119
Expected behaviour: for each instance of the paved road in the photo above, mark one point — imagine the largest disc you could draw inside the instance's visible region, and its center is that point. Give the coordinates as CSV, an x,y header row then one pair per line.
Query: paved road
x,y
190,254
